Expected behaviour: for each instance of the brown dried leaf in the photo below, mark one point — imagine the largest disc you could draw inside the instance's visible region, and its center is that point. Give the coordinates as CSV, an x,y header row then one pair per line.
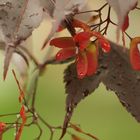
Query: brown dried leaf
x,y
115,72
123,80
78,89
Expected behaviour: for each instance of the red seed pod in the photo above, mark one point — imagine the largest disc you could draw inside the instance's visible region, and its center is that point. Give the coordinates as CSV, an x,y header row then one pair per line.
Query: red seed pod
x,y
82,65
135,53
2,127
62,42
64,54
105,45
83,39
23,116
92,58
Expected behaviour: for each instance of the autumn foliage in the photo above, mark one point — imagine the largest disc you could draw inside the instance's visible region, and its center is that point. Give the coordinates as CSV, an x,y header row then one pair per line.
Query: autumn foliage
x,y
94,58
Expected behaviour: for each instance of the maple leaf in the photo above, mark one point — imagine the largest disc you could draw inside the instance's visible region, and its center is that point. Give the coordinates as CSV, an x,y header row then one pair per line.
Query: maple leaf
x,y
115,72
77,89
123,80
122,9
18,20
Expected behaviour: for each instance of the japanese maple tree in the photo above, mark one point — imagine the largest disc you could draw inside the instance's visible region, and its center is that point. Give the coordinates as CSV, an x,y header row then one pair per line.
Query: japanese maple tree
x,y
92,56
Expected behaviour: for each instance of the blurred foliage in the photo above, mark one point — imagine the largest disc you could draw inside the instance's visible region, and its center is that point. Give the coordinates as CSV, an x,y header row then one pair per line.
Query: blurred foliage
x,y
100,114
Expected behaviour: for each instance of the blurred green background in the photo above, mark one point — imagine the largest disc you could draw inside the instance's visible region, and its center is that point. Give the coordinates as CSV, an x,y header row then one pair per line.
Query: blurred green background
x,y
100,113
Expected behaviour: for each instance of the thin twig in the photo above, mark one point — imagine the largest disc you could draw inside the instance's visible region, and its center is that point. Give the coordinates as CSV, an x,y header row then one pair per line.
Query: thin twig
x,y
10,114
40,132
89,11
48,125
108,21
